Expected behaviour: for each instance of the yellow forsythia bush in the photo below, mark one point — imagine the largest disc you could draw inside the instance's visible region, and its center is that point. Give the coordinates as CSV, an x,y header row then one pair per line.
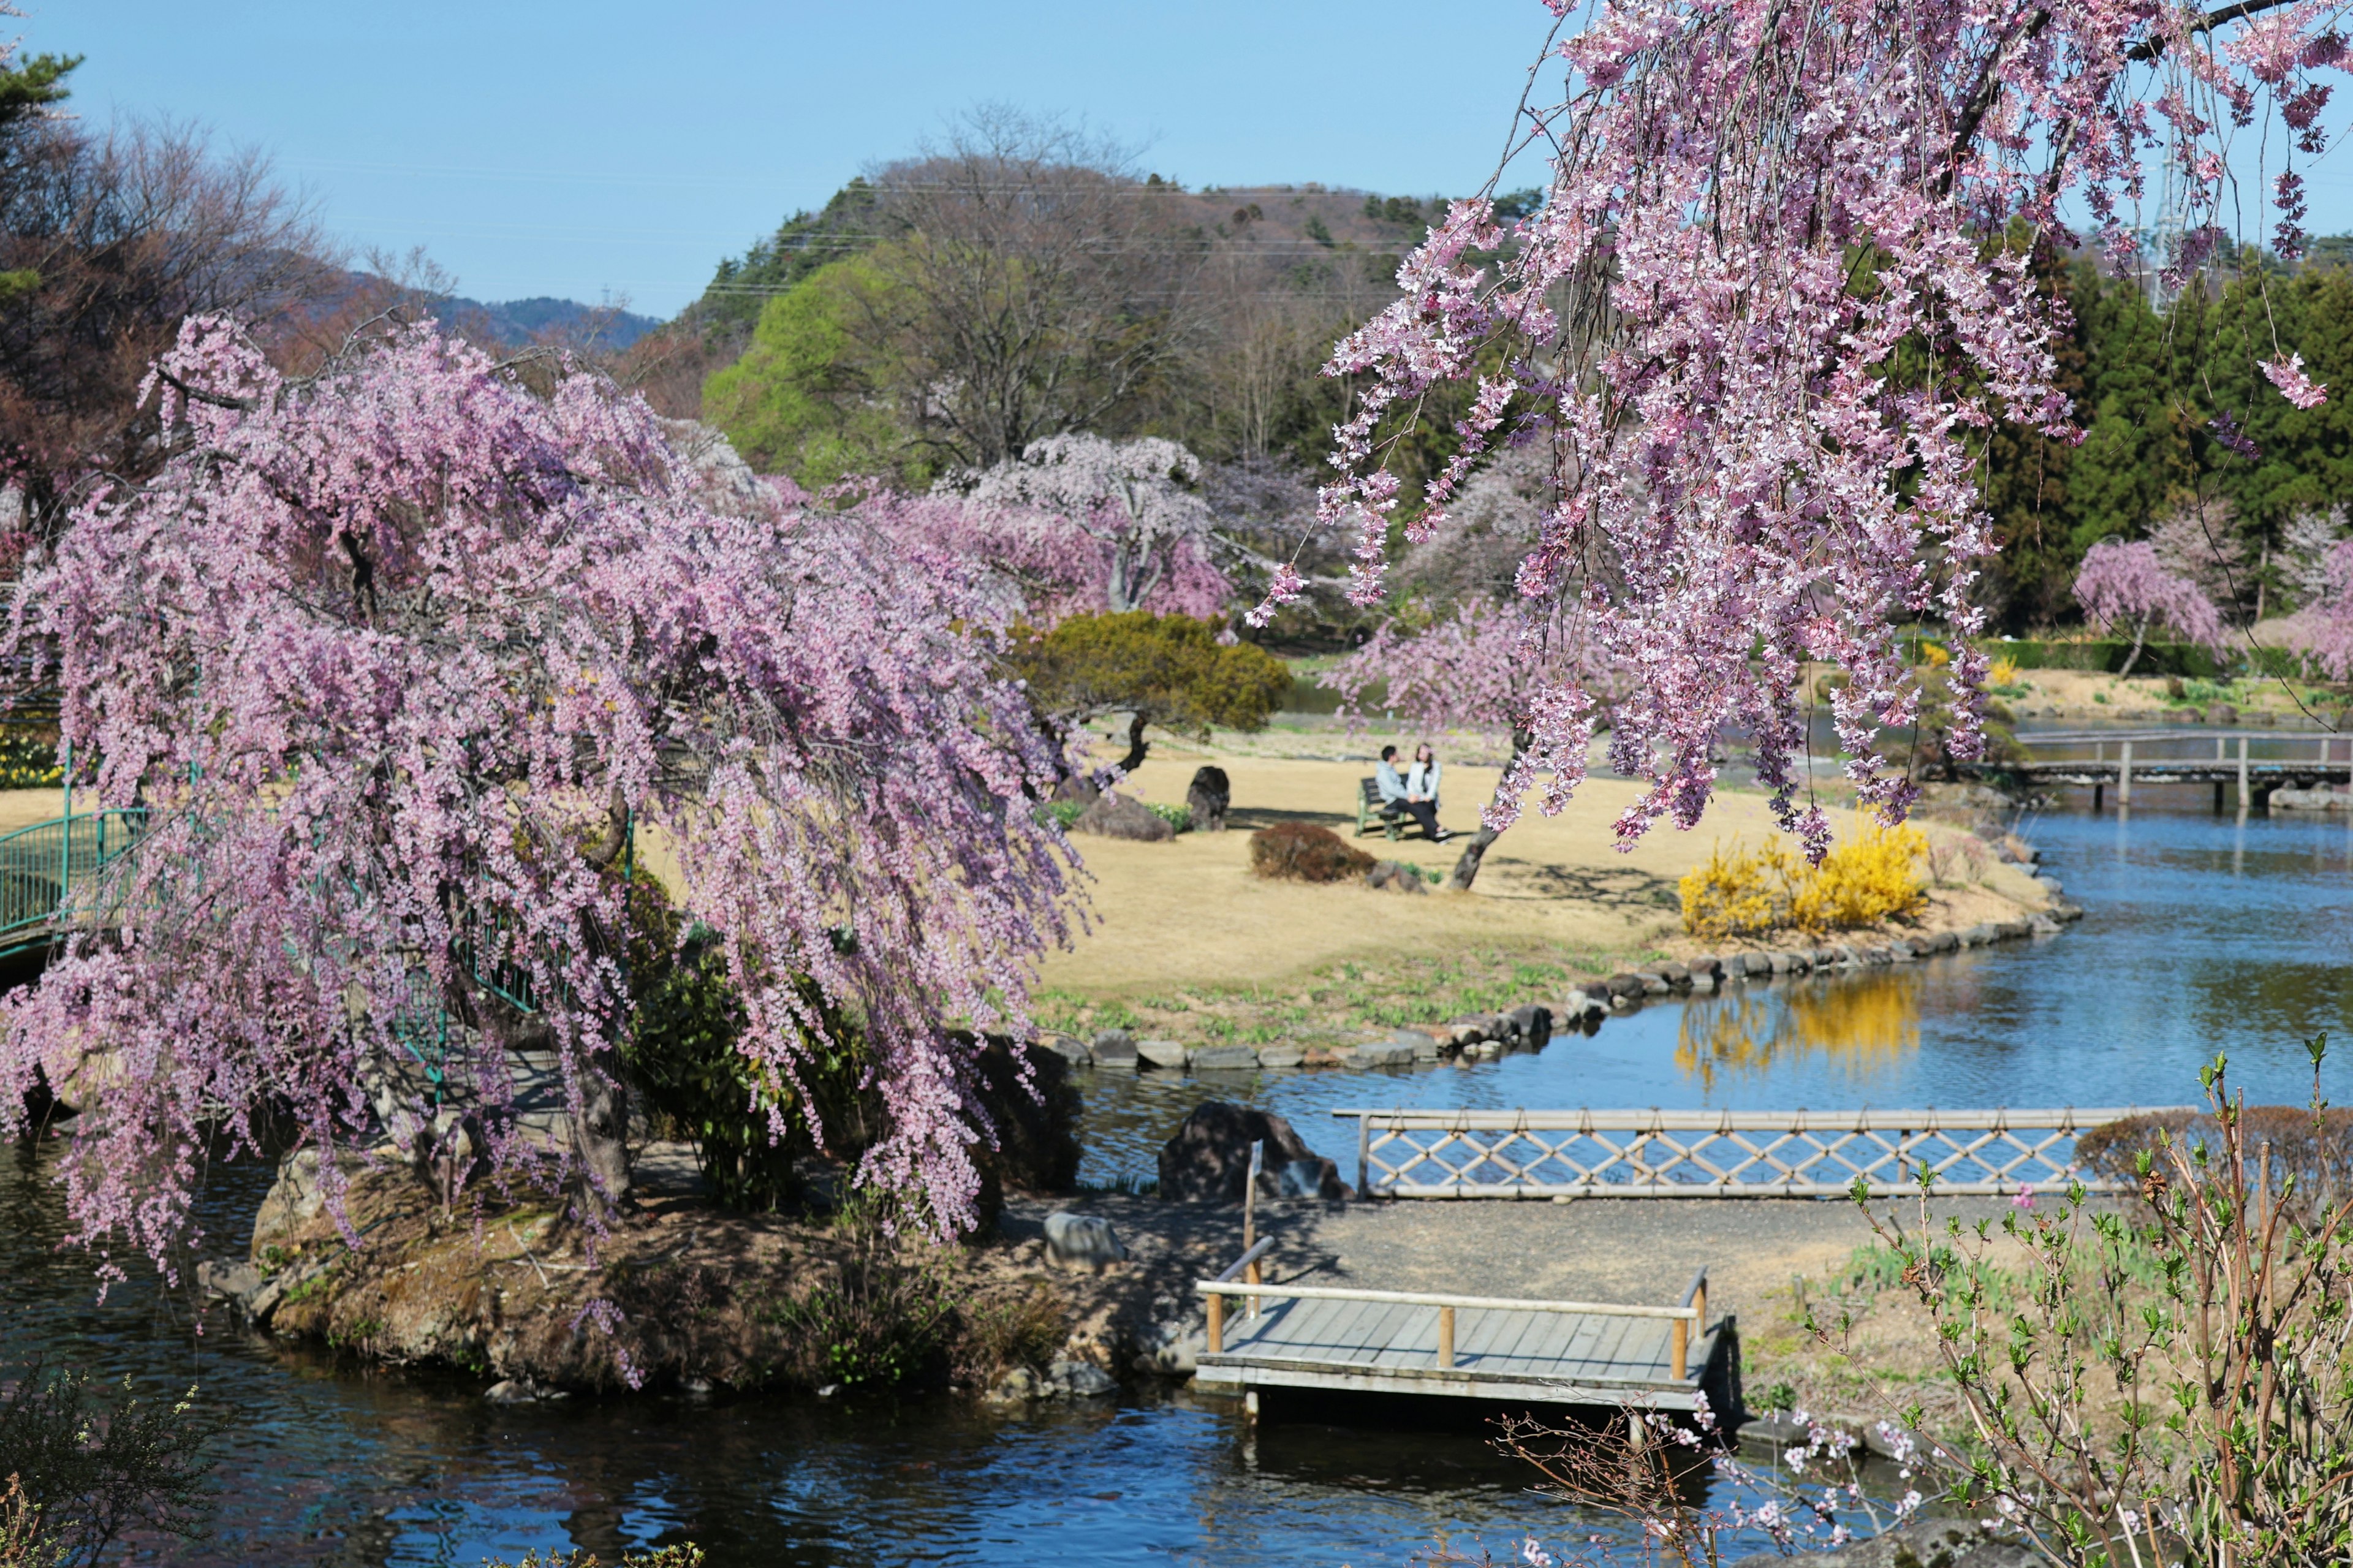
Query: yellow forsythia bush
x,y
1877,876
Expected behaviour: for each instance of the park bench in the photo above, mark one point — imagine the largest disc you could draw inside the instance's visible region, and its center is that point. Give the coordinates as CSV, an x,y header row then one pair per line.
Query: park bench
x,y
1371,807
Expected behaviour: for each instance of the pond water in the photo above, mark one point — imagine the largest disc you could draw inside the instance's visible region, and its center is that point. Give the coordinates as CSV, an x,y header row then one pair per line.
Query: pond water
x,y
2205,933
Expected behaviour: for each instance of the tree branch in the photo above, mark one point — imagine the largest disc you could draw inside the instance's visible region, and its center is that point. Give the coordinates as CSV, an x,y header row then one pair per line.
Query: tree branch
x,y
2151,48
198,394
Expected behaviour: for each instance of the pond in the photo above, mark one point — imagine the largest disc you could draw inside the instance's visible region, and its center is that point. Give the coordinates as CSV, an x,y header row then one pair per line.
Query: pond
x,y
2205,933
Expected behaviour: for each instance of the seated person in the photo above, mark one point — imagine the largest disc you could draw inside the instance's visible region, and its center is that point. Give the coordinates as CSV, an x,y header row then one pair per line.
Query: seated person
x,y
1394,794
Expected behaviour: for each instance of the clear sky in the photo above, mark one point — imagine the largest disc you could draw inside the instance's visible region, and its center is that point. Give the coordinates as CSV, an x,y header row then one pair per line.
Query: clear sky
x,y
588,149
594,151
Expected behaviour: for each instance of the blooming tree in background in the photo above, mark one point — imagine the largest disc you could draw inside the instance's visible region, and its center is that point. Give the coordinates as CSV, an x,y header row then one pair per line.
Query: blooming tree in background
x,y
1088,524
2127,586
1753,207
395,656
1492,663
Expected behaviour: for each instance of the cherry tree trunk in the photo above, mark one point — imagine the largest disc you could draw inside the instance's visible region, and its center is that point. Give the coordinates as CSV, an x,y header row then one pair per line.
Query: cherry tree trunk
x,y
1136,745
1466,869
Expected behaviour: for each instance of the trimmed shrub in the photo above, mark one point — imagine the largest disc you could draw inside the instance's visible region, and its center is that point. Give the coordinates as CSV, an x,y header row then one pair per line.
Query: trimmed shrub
x,y
1305,853
2320,1159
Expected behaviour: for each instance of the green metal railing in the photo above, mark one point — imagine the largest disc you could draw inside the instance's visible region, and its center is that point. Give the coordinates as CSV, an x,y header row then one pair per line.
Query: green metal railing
x,y
45,867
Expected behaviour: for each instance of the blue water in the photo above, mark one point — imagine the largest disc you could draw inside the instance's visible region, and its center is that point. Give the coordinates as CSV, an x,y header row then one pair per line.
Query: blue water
x,y
2204,934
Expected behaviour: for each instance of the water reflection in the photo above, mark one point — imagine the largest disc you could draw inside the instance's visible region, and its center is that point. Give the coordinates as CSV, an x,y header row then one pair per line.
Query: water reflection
x,y
1865,1022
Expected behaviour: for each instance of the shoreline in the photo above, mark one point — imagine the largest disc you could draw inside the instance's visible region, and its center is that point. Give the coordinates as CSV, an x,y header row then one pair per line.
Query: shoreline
x,y
680,1295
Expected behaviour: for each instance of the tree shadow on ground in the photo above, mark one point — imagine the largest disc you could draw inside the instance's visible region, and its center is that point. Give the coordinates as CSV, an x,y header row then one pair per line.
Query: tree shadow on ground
x,y
1625,888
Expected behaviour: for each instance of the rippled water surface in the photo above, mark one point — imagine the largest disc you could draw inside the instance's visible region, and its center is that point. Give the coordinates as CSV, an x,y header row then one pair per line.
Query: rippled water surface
x,y
2205,933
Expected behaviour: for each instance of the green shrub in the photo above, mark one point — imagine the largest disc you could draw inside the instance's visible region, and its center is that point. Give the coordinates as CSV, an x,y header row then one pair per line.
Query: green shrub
x,y
682,1056
1179,818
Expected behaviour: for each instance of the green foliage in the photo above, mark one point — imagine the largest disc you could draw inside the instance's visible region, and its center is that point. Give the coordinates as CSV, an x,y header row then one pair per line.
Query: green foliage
x,y
92,1463
802,244
881,1320
806,399
1064,813
749,1126
33,85
1169,670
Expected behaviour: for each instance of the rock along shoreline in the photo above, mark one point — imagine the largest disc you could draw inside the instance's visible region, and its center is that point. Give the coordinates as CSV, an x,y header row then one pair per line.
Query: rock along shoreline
x,y
1530,1025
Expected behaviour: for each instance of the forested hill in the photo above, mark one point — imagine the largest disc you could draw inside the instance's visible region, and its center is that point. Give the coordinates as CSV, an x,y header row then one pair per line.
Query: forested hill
x,y
544,320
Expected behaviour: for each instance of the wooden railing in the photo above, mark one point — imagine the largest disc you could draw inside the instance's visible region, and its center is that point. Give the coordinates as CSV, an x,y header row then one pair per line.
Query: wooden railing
x,y
1717,1153
1692,1309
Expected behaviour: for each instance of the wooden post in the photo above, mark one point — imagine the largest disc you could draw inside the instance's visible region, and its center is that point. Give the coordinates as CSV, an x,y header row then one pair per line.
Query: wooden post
x,y
2242,773
2098,789
1682,1360
1250,1218
1446,1336
1364,1156
2123,777
1700,1302
1216,1324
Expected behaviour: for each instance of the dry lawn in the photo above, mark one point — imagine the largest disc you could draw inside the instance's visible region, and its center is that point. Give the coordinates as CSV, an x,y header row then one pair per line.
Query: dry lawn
x,y
1554,890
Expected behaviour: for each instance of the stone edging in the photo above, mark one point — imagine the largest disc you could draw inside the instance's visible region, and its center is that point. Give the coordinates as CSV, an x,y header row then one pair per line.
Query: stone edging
x,y
1530,1026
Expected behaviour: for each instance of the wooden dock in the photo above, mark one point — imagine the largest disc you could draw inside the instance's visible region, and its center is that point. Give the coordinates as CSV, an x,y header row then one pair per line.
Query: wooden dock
x,y
1463,1347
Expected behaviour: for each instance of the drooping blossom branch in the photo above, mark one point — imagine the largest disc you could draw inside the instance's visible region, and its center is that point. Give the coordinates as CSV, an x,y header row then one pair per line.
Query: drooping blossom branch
x,y
398,658
1760,321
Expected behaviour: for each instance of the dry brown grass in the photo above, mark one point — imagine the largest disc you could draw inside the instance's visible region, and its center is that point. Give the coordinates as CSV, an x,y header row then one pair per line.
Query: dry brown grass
x,y
1188,914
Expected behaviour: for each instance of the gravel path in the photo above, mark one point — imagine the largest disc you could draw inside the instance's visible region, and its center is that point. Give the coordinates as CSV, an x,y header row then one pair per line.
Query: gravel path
x,y
1635,1250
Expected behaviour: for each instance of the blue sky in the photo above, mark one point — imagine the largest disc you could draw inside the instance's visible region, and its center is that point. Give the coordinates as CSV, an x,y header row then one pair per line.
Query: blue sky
x,y
591,148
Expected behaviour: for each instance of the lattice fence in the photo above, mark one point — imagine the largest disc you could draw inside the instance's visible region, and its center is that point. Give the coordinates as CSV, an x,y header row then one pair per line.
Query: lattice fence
x,y
1732,1153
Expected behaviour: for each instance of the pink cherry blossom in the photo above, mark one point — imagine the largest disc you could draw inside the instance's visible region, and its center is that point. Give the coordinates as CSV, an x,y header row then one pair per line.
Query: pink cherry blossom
x,y
2287,375
389,654
1758,217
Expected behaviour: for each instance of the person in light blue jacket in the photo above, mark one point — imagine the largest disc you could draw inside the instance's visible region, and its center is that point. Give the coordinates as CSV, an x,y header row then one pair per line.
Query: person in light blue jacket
x,y
1398,791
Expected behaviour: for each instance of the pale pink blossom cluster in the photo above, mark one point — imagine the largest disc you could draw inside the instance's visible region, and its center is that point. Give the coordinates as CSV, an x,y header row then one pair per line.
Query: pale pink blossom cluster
x,y
1081,524
2128,586
1761,323
387,653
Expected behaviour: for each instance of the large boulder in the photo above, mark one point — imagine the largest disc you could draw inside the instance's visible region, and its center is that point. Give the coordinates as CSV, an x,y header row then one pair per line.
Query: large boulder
x,y
1209,797
1036,1115
1208,1160
1082,1241
1117,816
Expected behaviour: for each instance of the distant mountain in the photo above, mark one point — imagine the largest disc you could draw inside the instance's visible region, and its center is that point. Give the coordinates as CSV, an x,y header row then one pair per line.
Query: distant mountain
x,y
516,322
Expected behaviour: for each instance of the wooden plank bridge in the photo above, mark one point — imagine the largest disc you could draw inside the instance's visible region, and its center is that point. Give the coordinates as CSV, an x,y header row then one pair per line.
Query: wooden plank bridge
x,y
2255,765
1440,1345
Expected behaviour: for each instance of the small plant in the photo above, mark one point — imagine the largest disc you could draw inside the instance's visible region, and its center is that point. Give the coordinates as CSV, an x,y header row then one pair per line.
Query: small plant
x,y
881,1321
1026,1331
2173,1390
1179,818
1306,852
83,1467
1063,814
